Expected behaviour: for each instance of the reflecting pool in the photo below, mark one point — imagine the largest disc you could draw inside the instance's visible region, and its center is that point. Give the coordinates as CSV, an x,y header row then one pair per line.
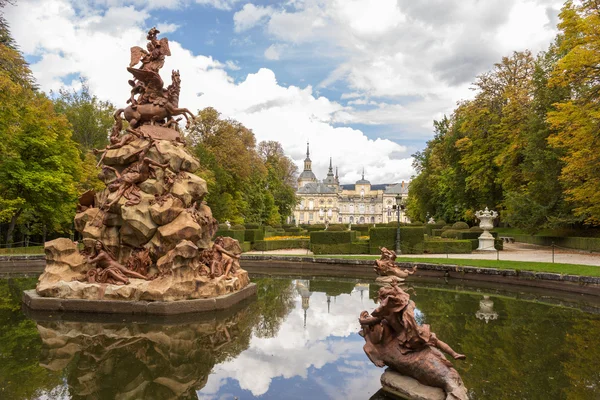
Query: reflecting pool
x,y
298,340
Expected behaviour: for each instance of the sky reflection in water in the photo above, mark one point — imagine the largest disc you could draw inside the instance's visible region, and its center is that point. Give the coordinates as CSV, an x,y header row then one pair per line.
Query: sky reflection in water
x,y
317,353
298,340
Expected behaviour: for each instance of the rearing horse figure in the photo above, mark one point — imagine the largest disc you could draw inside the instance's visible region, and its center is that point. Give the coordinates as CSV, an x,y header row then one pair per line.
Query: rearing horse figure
x,y
154,103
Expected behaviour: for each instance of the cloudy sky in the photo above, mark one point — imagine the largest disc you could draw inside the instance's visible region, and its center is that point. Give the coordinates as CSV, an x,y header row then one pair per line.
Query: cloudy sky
x,y
362,80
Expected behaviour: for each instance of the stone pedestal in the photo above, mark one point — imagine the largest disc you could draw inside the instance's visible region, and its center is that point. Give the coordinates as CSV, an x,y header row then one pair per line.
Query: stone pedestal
x,y
486,242
407,388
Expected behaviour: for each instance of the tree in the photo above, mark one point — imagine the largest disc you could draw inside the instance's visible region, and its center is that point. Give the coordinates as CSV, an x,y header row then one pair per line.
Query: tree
x,y
281,178
575,119
91,119
39,163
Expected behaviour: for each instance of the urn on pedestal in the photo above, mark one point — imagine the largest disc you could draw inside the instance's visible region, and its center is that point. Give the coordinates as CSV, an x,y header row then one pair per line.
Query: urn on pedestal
x,y
486,218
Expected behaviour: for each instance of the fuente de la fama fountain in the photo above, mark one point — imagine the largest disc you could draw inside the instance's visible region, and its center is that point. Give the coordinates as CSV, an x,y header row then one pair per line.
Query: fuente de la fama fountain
x,y
146,246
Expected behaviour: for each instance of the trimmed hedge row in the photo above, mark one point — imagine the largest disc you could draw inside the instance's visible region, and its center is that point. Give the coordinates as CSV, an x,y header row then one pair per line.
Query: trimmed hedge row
x,y
430,228
411,239
498,244
341,248
246,246
333,237
447,246
294,229
268,245
253,235
574,242
237,235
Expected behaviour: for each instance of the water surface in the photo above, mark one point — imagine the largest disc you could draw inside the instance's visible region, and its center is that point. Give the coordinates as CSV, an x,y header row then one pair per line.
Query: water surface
x,y
298,340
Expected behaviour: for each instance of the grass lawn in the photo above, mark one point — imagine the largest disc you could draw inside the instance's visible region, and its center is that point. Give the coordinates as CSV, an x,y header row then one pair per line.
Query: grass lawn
x,y
22,251
571,269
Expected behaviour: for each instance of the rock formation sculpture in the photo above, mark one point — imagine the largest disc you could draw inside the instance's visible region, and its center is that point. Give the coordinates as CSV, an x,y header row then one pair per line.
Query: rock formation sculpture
x,y
147,235
394,338
387,269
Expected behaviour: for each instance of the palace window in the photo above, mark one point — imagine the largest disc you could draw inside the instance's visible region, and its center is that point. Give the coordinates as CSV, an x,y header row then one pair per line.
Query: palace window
x,y
329,212
311,204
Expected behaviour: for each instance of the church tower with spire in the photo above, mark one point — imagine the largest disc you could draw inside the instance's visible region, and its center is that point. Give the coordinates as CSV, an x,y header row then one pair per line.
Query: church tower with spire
x,y
331,181
307,176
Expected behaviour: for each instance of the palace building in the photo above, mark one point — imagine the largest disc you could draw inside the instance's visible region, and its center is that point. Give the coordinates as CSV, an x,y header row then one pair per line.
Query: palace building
x,y
359,203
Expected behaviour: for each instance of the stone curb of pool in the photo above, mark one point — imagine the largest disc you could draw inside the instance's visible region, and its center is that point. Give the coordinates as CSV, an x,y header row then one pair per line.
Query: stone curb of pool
x,y
549,276
436,267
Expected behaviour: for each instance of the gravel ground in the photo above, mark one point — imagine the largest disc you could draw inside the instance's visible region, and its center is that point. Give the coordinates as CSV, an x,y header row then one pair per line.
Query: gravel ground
x,y
511,252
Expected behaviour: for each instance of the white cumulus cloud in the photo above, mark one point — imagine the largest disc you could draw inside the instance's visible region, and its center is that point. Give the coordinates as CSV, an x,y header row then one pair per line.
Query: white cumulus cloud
x,y
95,45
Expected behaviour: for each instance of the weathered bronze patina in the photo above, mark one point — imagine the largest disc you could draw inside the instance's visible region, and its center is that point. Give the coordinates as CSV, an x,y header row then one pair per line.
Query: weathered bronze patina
x,y
395,339
147,234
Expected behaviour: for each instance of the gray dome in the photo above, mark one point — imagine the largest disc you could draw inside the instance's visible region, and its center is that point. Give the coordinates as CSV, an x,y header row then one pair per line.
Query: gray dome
x,y
307,175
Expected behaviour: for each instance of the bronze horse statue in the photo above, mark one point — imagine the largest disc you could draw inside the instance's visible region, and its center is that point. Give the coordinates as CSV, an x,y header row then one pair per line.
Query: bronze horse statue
x,y
155,104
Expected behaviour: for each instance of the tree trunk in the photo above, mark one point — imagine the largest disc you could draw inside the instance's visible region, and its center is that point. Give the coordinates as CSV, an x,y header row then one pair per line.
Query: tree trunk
x,y
11,227
44,233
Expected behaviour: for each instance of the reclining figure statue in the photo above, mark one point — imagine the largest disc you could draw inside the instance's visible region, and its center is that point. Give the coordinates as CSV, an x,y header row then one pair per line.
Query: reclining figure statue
x,y
394,338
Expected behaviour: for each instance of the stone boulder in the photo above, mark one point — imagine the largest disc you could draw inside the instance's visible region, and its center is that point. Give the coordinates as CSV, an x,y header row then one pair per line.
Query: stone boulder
x,y
175,155
189,188
126,154
405,387
208,224
82,218
182,260
63,263
184,227
153,186
138,226
166,212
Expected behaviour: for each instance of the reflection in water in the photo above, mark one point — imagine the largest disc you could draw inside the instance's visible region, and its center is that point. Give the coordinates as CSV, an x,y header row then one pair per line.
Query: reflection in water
x,y
141,361
298,340
486,310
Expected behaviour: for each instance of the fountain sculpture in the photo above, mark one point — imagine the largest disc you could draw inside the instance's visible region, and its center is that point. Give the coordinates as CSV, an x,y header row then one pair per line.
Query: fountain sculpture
x,y
387,269
411,351
147,234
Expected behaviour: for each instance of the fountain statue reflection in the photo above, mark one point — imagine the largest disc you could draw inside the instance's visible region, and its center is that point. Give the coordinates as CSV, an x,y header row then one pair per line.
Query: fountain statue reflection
x,y
486,310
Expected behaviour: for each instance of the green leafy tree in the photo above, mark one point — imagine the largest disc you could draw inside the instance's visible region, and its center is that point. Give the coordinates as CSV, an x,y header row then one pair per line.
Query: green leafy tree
x,y
575,118
39,162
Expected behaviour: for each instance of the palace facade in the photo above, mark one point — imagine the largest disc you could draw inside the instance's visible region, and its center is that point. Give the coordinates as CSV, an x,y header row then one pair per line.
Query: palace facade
x,y
359,203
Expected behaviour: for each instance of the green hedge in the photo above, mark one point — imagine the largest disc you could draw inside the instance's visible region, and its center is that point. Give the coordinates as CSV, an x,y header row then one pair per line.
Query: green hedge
x,y
436,232
294,229
246,246
341,248
463,235
447,247
411,239
253,235
430,228
498,244
313,227
382,237
251,226
268,245
237,235
362,228
574,242
332,237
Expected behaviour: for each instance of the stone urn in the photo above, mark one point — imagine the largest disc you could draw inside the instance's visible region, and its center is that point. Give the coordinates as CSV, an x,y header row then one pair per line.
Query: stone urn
x,y
486,240
486,310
